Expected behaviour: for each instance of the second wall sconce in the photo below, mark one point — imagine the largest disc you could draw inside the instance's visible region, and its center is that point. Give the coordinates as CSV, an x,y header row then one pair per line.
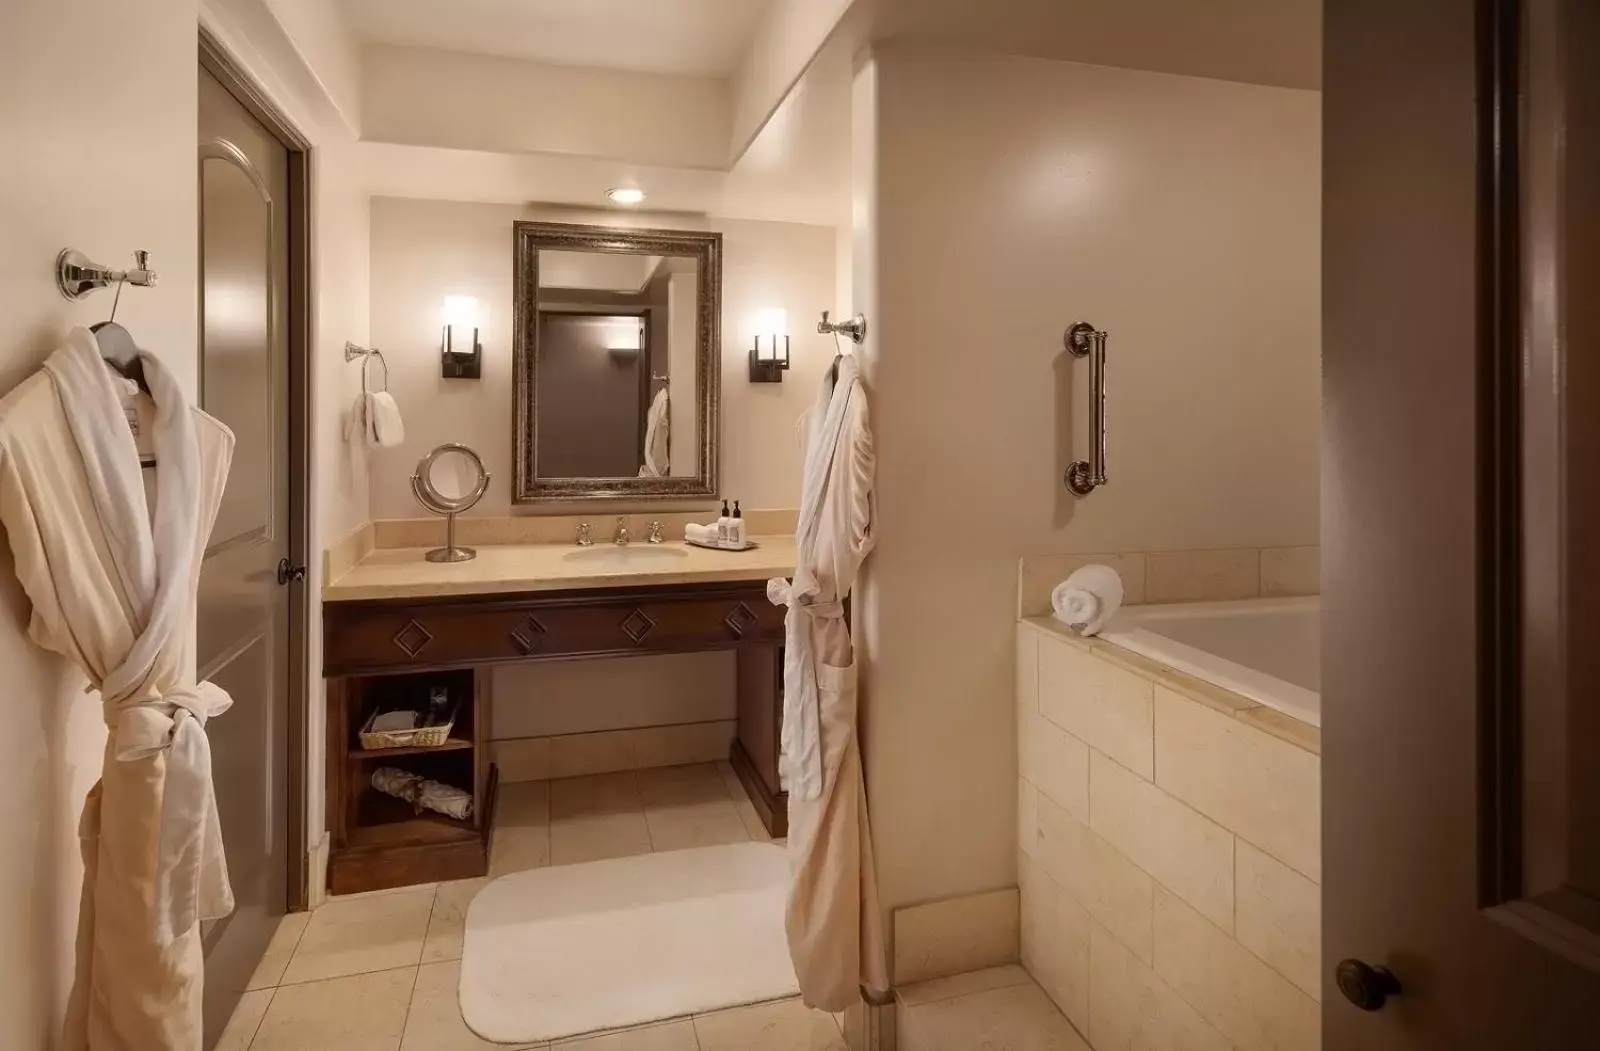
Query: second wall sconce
x,y
460,313
769,362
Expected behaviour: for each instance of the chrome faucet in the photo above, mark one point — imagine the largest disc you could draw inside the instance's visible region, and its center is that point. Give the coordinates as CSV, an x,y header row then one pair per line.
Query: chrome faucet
x,y
621,539
585,535
654,536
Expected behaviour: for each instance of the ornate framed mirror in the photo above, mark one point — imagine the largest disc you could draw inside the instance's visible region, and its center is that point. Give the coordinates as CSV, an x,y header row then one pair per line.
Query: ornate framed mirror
x,y
616,376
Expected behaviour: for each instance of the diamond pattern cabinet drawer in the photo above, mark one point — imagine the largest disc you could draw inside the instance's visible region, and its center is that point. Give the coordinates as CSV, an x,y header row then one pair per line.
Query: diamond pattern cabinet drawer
x,y
396,635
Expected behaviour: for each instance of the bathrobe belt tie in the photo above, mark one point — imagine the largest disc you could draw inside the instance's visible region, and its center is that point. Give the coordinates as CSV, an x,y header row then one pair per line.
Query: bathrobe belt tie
x,y
191,875
781,593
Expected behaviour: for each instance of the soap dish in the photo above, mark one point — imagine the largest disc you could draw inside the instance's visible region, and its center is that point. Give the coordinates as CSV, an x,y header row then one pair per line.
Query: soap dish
x,y
750,545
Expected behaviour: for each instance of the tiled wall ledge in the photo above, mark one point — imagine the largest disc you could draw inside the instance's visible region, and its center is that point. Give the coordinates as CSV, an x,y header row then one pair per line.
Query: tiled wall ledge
x,y
562,529
608,751
1179,576
1170,856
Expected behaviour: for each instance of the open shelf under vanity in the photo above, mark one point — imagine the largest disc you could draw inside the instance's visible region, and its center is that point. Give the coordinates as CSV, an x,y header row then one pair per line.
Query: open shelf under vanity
x,y
379,840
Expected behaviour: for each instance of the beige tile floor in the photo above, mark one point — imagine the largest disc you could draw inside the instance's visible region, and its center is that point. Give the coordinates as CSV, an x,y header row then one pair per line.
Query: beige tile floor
x,y
1000,1008
378,972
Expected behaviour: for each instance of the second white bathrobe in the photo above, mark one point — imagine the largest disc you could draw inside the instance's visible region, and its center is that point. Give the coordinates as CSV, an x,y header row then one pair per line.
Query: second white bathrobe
x,y
112,588
834,925
657,437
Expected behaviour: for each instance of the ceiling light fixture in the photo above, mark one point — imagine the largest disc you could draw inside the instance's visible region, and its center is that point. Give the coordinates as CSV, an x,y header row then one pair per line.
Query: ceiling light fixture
x,y
625,195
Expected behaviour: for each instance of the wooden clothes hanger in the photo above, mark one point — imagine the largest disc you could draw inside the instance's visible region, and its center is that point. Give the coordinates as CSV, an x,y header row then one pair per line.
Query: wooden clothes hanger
x,y
121,353
117,346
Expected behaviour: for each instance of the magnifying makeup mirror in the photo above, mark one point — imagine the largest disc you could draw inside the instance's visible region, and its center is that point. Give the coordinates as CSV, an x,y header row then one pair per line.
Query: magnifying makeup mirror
x,y
448,481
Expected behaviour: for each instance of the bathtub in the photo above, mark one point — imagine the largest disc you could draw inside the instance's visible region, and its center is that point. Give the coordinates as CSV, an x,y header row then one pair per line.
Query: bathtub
x,y
1268,650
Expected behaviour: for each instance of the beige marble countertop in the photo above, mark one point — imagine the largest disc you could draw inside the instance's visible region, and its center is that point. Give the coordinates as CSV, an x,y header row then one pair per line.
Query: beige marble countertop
x,y
388,573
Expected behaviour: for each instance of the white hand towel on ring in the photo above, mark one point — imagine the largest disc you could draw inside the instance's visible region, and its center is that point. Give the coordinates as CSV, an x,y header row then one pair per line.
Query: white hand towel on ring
x,y
1088,598
385,429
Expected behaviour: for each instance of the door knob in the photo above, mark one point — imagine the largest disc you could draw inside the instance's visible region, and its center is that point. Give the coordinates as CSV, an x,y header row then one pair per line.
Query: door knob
x,y
288,572
1368,987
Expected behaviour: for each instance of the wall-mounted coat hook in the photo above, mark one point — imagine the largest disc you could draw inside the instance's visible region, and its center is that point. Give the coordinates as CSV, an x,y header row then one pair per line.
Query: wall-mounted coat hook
x,y
855,328
77,275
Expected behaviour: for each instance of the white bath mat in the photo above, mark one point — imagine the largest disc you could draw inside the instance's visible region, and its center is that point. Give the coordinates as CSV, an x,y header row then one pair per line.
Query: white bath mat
x,y
563,951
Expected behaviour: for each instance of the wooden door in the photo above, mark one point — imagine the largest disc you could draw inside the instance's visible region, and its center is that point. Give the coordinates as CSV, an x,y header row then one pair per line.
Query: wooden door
x,y
243,622
1461,524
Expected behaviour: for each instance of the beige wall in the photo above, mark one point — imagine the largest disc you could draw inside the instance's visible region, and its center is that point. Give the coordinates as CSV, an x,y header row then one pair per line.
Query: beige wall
x,y
422,251
52,195
1008,198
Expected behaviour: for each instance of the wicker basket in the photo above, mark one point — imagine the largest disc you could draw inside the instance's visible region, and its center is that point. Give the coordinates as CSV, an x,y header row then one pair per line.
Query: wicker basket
x,y
421,737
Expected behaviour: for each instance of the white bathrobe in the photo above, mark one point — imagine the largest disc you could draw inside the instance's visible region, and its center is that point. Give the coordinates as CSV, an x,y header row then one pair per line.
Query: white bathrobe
x,y
657,436
834,924
112,583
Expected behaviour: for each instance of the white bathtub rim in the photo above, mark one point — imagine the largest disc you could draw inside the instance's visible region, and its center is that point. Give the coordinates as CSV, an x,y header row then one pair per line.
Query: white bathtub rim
x,y
1297,702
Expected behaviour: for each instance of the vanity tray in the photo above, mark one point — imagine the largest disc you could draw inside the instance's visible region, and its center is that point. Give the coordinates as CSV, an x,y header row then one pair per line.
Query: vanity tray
x,y
750,545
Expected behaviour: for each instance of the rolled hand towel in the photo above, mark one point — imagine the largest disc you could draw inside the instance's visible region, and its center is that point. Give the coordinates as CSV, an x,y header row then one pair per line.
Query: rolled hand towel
x,y
1088,598
1075,606
445,799
385,429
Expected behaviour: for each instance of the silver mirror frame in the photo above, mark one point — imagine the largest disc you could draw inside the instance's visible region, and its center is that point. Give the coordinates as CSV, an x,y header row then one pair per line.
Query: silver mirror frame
x,y
428,496
706,249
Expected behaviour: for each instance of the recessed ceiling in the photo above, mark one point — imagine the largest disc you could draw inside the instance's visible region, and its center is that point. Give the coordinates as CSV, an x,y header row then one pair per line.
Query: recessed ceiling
x,y
695,37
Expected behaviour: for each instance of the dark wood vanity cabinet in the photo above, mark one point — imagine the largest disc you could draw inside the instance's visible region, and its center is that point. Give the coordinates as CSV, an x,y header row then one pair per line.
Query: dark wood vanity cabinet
x,y
377,842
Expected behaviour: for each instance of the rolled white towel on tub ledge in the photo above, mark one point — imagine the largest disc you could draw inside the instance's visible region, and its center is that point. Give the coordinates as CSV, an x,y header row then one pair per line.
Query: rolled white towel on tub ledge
x,y
1088,598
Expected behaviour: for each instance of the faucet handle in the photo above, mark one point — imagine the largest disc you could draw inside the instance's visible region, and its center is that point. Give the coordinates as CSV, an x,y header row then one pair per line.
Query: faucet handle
x,y
654,535
585,535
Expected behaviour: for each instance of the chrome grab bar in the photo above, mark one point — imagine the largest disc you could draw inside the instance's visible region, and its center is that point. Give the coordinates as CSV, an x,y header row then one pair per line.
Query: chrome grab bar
x,y
1084,340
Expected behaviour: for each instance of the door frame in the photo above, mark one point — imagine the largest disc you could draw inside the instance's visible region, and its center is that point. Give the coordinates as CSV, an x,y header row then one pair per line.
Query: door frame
x,y
215,60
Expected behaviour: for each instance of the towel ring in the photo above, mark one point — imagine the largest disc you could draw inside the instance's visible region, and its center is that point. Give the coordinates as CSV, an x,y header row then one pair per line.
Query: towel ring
x,y
352,351
365,365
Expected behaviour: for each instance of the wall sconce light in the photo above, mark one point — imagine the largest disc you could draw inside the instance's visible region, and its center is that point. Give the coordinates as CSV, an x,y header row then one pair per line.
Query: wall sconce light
x,y
460,312
769,362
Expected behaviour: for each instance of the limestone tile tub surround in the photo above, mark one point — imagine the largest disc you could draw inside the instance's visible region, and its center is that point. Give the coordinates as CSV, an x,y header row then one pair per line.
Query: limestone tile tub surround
x,y
1169,855
1178,576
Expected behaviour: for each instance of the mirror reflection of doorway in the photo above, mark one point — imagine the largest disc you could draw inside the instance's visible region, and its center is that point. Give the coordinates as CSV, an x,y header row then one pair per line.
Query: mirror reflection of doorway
x,y
594,392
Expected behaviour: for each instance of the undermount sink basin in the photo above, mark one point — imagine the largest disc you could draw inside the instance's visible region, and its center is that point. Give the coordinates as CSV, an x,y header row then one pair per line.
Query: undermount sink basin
x,y
612,555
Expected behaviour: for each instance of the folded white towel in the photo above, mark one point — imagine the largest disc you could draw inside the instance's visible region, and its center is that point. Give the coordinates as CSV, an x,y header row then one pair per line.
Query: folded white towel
x,y
1088,598
700,534
385,430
